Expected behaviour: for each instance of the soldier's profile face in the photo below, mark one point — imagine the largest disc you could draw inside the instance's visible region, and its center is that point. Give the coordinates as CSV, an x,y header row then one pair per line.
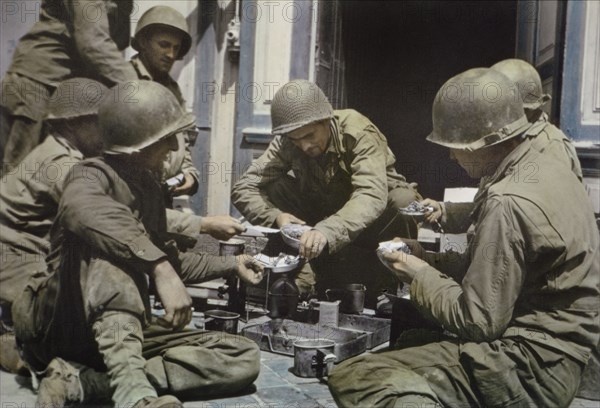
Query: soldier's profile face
x,y
154,155
312,139
160,50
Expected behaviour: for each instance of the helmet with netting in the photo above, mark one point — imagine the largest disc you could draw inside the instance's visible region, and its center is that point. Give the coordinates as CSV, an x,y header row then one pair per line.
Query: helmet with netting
x,y
477,108
298,103
166,17
137,114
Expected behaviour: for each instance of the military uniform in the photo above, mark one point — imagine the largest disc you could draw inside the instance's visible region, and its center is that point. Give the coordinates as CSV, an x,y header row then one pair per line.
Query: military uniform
x,y
29,200
524,308
181,160
545,138
110,230
28,203
64,43
351,191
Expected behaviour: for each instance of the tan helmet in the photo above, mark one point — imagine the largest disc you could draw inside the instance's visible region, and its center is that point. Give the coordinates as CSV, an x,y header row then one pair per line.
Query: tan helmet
x,y
526,78
477,108
167,17
296,104
75,97
137,114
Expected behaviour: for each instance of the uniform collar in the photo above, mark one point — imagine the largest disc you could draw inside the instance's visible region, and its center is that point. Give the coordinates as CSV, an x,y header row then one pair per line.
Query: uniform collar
x,y
143,72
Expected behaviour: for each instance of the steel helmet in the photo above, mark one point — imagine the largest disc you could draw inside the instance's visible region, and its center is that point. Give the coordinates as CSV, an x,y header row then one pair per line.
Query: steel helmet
x,y
296,104
167,17
74,98
477,108
137,114
526,78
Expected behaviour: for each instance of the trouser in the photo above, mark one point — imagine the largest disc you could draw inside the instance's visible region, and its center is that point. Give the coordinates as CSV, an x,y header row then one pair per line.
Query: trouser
x,y
19,263
189,364
22,108
503,373
284,195
95,319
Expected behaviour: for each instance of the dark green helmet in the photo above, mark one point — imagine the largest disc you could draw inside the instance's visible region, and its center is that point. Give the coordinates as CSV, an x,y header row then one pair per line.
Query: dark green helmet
x,y
296,104
137,114
524,76
75,97
478,108
164,16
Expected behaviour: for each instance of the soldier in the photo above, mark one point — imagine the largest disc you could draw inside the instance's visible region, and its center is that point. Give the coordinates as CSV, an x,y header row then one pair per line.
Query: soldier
x,y
108,240
29,195
161,38
523,303
546,137
71,39
343,183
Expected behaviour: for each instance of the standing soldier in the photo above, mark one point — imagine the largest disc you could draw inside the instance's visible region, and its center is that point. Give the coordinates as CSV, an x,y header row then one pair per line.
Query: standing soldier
x,y
66,42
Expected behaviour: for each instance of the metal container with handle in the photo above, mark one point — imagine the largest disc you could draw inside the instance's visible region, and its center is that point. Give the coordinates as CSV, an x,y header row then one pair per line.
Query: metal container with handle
x,y
313,358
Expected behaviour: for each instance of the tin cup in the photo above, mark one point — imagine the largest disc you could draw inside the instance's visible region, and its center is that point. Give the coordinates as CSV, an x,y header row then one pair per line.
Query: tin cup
x,y
221,320
352,297
313,358
232,247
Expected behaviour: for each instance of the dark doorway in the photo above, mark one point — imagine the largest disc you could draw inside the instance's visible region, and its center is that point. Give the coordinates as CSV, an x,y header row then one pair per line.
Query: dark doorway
x,y
399,53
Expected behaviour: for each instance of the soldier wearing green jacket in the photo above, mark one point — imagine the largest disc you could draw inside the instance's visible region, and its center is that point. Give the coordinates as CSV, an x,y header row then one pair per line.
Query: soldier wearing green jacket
x,y
81,38
521,306
546,138
330,169
109,239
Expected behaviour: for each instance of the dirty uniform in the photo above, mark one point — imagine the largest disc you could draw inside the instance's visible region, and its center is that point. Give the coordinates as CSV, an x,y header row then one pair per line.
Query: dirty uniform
x,y
29,197
179,161
353,189
28,203
70,39
109,232
548,140
524,309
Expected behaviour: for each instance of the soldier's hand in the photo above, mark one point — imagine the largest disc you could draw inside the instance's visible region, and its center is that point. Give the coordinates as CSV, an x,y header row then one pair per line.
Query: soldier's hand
x,y
188,184
434,215
287,218
173,295
249,270
415,247
404,266
312,243
221,227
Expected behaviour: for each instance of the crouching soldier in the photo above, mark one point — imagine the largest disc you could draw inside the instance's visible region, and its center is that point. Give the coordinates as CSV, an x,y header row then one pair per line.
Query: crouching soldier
x,y
108,241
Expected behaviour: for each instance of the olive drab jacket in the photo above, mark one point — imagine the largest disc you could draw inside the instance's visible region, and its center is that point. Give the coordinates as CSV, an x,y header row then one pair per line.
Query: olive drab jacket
x,y
181,160
28,203
350,188
111,215
80,38
532,269
546,139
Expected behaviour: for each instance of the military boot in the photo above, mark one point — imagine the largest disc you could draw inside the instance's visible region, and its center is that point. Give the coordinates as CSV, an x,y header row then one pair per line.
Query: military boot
x,y
165,401
60,385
